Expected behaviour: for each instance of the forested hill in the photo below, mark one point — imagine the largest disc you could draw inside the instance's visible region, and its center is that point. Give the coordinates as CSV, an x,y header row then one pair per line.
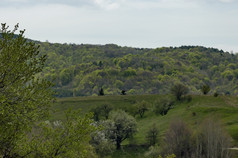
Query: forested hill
x,y
80,70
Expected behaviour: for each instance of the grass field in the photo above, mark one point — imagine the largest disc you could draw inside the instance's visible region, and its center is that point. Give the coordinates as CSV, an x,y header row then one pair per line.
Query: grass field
x,y
223,108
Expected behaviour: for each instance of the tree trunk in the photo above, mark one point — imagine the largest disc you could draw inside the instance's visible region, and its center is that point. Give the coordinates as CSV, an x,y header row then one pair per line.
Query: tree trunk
x,y
118,143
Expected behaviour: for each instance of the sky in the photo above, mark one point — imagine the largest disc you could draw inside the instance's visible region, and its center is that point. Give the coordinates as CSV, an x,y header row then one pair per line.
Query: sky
x,y
134,23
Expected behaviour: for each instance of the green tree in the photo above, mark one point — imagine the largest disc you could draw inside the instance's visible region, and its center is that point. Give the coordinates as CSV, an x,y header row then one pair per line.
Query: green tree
x,y
125,126
101,111
66,75
163,105
179,90
152,134
103,140
68,138
205,89
141,108
24,98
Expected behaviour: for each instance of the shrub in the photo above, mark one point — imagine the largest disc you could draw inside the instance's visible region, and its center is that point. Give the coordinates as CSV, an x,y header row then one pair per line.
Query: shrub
x,y
205,89
162,106
179,90
215,94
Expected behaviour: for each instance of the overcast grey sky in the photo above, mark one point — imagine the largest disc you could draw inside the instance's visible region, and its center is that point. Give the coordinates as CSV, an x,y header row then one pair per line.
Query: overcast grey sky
x,y
136,23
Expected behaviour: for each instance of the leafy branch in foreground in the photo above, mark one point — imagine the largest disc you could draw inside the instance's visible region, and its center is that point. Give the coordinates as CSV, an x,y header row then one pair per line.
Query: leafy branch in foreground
x,y
24,98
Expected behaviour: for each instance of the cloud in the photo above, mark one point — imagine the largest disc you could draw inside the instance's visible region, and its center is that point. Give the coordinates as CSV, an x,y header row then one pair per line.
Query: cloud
x,y
29,3
107,4
226,1
114,4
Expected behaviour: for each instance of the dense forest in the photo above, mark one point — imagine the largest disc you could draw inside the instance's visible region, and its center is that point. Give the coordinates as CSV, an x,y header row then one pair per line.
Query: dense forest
x,y
79,70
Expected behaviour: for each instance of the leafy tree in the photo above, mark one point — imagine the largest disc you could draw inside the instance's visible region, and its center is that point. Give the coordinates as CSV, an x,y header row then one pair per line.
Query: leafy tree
x,y
163,105
152,134
103,140
24,98
66,75
205,89
125,126
101,111
141,108
69,138
179,90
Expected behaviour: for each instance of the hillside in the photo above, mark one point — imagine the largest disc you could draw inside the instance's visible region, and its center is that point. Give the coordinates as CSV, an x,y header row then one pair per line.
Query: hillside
x,y
222,108
81,70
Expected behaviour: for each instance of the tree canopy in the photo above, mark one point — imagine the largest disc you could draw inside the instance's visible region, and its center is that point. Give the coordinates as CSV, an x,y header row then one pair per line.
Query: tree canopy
x,y
81,70
24,98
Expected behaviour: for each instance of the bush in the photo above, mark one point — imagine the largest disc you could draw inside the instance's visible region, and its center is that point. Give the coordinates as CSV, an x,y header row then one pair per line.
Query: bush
x,y
215,94
161,107
101,111
153,152
179,90
205,89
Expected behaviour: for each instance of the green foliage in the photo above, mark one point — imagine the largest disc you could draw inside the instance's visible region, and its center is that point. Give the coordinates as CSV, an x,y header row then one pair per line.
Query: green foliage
x,y
103,140
66,76
141,108
205,89
101,111
138,71
215,94
162,106
152,134
168,156
154,152
24,98
69,138
178,90
125,126
224,107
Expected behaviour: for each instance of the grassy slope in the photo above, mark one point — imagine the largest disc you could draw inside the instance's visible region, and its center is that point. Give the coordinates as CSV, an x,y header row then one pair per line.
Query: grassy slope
x,y
224,108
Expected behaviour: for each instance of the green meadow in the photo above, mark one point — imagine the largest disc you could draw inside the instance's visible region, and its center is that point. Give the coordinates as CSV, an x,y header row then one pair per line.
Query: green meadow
x,y
194,112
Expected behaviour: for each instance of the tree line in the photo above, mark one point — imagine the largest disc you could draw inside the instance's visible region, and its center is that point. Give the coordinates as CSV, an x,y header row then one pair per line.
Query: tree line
x,y
79,70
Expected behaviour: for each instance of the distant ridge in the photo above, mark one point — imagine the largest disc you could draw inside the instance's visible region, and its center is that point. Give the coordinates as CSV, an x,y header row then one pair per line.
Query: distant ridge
x,y
80,70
